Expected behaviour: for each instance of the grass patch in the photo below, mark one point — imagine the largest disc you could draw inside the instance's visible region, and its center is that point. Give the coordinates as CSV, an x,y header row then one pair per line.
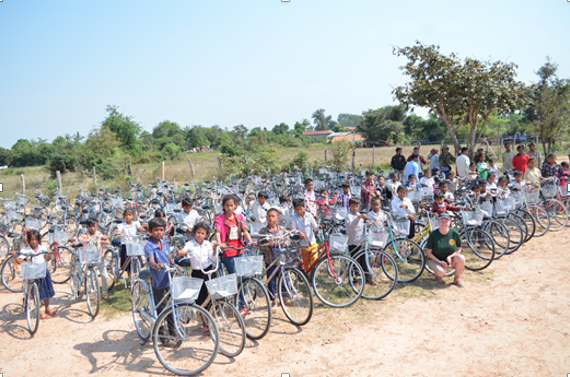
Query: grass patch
x,y
119,301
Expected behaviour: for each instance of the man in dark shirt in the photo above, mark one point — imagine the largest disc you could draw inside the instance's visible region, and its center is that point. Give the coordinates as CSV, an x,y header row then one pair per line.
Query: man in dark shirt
x,y
398,162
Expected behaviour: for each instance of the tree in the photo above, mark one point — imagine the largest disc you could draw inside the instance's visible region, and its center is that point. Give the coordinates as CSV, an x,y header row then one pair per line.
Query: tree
x,y
281,129
550,107
320,120
166,128
124,127
341,152
77,138
349,120
383,124
459,93
240,130
302,126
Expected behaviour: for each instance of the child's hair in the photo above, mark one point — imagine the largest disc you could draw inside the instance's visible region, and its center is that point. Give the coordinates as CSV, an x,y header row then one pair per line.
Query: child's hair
x,y
531,159
354,200
374,199
481,155
237,200
398,149
283,199
324,189
451,173
445,182
298,202
263,194
159,213
128,210
502,178
270,210
482,182
550,155
345,184
394,175
493,160
411,176
202,225
369,172
227,198
438,195
156,223
34,233
402,187
476,188
427,170
90,222
564,163
491,174
518,173
187,202
307,181
520,146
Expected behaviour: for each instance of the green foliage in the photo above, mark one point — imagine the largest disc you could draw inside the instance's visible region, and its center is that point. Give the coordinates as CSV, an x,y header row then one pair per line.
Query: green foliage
x,y
124,127
231,150
321,120
5,156
384,124
281,129
348,120
171,151
301,160
166,128
341,153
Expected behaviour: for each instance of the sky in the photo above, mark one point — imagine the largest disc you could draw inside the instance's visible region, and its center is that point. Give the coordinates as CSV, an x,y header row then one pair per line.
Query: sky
x,y
256,63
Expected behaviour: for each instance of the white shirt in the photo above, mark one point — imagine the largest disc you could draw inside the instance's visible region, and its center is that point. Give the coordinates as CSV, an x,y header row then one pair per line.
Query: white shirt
x,y
239,210
284,216
128,232
199,253
396,202
31,255
188,220
354,228
259,213
428,182
508,159
434,162
462,164
449,195
307,225
378,218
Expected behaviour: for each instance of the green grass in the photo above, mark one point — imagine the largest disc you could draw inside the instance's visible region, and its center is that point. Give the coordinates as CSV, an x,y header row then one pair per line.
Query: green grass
x,y
119,301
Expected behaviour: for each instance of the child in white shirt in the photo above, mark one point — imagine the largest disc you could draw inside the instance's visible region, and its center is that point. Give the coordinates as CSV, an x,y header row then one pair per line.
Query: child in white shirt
x,y
188,217
259,210
427,180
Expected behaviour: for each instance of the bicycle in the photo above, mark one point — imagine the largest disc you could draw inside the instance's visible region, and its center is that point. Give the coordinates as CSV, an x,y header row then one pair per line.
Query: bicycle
x,y
135,251
84,264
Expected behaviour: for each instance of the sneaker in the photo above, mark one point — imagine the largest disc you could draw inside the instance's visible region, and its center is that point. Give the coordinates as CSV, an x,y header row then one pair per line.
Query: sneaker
x,y
459,283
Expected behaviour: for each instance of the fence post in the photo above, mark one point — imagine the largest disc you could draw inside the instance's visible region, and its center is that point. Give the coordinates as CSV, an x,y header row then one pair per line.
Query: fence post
x,y
23,184
58,175
162,170
219,163
373,155
192,169
94,177
353,156
129,170
325,155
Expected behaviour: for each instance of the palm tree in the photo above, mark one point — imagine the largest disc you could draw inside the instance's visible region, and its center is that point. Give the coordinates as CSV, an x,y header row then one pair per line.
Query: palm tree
x,y
320,120
77,138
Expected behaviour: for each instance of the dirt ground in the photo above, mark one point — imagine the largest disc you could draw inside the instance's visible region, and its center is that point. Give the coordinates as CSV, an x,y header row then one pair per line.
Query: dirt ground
x,y
510,320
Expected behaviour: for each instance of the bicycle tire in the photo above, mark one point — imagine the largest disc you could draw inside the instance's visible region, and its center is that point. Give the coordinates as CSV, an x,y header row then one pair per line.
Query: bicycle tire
x,y
478,248
141,310
542,219
92,292
500,235
521,222
231,328
298,304
60,270
10,275
529,221
385,274
410,259
112,265
190,326
258,303
557,212
344,289
135,267
33,306
448,271
4,247
516,234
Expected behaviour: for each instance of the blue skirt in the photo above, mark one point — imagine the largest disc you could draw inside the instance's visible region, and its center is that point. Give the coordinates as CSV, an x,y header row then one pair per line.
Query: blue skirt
x,y
45,286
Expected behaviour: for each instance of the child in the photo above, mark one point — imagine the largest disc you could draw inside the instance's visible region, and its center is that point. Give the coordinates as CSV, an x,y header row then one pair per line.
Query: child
x,y
485,194
376,214
29,254
239,208
482,167
439,206
355,232
427,180
472,173
159,214
324,202
310,198
518,184
305,224
383,188
159,256
259,210
188,217
201,255
271,249
284,212
412,184
127,231
532,175
493,167
452,181
447,194
344,198
403,206
230,231
566,171
491,185
368,190
503,189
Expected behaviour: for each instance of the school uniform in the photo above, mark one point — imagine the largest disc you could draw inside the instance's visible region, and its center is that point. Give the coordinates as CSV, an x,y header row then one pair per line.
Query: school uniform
x,y
45,285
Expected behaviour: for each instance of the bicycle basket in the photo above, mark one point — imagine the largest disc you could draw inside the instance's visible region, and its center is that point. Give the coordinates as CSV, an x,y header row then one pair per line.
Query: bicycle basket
x,y
487,207
185,288
249,266
61,237
518,197
224,286
117,203
549,191
434,223
287,256
531,196
9,205
341,214
401,227
504,206
22,201
378,239
355,190
415,195
32,271
324,212
472,217
33,224
89,255
136,248
16,216
564,190
170,207
427,192
338,242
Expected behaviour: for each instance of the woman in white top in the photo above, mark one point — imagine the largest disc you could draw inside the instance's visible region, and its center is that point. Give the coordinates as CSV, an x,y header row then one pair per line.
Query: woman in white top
x,y
403,206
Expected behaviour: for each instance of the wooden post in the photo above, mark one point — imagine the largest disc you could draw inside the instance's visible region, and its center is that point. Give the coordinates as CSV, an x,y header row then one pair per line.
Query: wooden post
x,y
58,175
192,169
23,184
353,156
94,177
129,170
325,155
373,155
219,163
163,170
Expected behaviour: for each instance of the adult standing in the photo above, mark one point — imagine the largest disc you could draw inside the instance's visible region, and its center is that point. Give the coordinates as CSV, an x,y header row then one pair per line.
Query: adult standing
x,y
445,160
434,161
463,163
398,162
421,159
443,248
533,152
368,191
508,155
413,167
520,161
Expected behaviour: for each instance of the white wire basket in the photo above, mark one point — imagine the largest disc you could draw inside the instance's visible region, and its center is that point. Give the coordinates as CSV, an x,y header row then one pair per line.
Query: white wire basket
x,y
355,190
89,255
549,191
224,286
531,196
185,288
338,242
415,195
401,227
564,190
61,237
324,212
486,207
472,218
249,266
170,207
14,215
135,248
341,214
33,224
518,197
378,239
32,271
22,201
10,205
504,206
434,223
427,192
117,203
85,194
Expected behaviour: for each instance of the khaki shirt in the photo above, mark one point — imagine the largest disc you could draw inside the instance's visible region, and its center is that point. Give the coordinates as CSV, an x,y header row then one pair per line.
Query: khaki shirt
x,y
532,176
508,159
537,155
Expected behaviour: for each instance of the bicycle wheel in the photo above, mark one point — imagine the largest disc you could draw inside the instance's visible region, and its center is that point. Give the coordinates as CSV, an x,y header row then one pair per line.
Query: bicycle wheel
x,y
33,306
258,304
557,212
10,275
409,257
384,274
230,326
448,271
135,267
542,218
178,340
4,247
112,264
338,281
60,266
500,235
516,234
529,222
295,296
92,292
141,310
478,249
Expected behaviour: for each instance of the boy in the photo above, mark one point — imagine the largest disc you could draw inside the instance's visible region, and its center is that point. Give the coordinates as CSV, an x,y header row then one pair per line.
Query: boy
x,y
376,214
493,167
344,198
368,191
452,181
439,206
403,207
518,184
310,198
355,232
159,256
259,210
284,213
427,180
484,195
188,218
305,223
447,195
412,182
532,175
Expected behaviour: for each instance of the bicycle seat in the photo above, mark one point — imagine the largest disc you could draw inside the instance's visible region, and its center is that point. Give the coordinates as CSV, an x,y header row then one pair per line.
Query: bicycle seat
x,y
116,242
180,231
78,246
144,217
83,222
182,262
242,192
84,210
118,221
206,207
145,274
177,210
13,234
107,210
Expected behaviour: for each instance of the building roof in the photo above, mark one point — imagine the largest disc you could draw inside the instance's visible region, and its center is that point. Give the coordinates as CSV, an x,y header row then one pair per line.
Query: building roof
x,y
317,133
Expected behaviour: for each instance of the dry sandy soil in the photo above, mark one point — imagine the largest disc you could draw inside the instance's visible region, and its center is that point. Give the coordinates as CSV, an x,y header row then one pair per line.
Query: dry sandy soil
x,y
510,320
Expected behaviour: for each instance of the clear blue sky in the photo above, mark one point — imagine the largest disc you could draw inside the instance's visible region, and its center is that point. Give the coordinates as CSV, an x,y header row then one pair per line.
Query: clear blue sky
x,y
256,63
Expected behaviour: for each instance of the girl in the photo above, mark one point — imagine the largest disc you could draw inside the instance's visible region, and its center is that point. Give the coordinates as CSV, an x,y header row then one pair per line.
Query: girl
x,y
452,181
491,185
169,231
482,167
29,254
230,230
503,189
127,231
427,180
472,173
270,249
258,210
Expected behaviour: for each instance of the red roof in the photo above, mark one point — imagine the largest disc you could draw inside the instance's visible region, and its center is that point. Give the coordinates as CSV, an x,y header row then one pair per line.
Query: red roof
x,y
314,133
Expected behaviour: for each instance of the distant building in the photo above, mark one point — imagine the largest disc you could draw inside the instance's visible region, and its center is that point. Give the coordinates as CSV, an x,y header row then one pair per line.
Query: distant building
x,y
335,136
319,134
